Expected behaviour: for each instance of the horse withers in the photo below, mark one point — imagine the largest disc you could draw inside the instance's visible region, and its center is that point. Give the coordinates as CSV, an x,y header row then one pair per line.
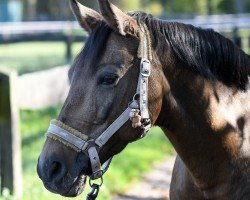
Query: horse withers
x,y
197,91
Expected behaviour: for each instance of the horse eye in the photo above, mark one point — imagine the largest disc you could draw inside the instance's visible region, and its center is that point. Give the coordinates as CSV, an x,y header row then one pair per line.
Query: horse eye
x,y
108,79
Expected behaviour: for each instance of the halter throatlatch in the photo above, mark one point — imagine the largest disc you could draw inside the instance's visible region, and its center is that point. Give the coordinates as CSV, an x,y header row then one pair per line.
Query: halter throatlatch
x,y
137,112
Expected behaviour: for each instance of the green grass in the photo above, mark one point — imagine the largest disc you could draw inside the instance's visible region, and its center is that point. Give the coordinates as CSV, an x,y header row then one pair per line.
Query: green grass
x,y
126,167
34,56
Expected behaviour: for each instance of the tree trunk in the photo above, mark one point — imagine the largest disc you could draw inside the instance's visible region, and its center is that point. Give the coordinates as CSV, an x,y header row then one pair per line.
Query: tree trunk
x,y
209,7
240,6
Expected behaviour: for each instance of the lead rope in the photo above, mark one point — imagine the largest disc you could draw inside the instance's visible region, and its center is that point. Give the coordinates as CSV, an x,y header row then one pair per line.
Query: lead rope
x,y
95,187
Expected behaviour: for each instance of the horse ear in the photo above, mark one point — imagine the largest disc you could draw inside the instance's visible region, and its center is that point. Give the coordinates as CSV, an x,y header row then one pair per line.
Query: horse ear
x,y
87,18
117,19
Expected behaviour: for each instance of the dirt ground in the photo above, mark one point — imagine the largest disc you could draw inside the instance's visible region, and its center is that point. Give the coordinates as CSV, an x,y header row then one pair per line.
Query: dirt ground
x,y
154,185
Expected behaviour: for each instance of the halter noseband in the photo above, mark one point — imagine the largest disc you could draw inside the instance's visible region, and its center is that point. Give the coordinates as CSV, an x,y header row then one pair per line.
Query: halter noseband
x,y
137,111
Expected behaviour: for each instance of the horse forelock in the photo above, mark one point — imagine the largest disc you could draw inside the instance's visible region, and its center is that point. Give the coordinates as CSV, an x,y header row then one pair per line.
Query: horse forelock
x,y
94,47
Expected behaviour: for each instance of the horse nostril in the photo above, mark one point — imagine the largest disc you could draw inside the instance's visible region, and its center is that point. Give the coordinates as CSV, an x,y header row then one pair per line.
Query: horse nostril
x,y
56,171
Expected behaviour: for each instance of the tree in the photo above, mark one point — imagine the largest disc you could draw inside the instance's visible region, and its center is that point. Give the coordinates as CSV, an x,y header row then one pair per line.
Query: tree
x,y
59,9
29,10
226,6
240,6
209,7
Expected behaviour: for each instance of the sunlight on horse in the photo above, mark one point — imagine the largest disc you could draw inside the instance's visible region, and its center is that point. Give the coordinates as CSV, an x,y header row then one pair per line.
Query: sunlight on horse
x,y
198,93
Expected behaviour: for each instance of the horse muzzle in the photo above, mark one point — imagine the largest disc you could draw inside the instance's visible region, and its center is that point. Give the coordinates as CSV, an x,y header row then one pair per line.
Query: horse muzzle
x,y
61,173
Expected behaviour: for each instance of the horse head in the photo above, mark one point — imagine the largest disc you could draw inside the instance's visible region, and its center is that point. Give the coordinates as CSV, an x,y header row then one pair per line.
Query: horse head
x,y
103,79
136,71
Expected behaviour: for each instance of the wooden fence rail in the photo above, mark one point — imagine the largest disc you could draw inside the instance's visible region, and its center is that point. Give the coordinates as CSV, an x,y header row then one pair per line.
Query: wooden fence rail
x,y
13,32
42,89
30,91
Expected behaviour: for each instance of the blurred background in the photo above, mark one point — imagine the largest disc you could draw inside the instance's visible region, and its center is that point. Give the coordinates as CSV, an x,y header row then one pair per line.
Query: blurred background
x,y
38,40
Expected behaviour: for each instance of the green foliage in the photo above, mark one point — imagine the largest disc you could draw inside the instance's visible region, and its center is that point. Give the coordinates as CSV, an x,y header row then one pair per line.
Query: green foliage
x,y
226,5
129,5
155,8
181,6
124,169
46,10
169,8
59,9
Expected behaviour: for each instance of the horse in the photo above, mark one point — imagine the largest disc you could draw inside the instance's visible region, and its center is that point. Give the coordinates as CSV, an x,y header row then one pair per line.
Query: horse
x,y
196,89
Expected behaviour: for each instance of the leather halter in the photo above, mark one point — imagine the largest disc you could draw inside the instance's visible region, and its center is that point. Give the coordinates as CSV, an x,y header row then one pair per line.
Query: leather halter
x,y
81,143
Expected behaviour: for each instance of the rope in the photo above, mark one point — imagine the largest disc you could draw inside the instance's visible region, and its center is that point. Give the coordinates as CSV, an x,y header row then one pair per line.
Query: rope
x,y
145,47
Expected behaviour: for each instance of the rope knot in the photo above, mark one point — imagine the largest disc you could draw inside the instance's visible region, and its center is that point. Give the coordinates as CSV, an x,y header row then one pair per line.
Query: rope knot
x,y
135,118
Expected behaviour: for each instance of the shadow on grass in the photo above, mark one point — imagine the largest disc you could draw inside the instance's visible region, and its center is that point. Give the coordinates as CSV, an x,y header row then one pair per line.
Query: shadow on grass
x,y
31,146
33,127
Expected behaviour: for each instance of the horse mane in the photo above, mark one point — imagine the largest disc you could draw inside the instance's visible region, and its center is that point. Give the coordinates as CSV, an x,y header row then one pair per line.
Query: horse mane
x,y
203,51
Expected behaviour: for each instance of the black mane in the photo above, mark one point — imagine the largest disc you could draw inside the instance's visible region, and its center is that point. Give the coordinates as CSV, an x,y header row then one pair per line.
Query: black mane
x,y
203,50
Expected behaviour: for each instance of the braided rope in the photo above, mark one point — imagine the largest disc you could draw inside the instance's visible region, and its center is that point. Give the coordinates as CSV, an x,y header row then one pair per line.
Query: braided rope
x,y
144,51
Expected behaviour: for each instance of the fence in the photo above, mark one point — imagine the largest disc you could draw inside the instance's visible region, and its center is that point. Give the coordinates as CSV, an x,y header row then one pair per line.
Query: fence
x,y
235,26
10,156
65,30
42,31
43,89
29,91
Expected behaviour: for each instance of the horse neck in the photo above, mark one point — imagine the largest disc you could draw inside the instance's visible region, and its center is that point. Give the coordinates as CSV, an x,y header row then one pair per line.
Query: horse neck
x,y
190,117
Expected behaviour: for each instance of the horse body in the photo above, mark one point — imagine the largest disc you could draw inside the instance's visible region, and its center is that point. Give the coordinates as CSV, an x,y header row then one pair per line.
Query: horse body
x,y
198,94
208,124
211,143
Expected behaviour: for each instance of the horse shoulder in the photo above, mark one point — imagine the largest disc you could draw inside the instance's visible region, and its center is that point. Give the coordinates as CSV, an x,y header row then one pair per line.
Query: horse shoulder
x,y
182,186
235,109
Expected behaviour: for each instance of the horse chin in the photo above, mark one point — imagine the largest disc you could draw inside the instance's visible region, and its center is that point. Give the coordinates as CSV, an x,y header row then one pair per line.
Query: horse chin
x,y
77,187
74,190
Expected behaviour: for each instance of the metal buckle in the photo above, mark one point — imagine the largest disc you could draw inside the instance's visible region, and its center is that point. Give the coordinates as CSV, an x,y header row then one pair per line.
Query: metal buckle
x,y
98,174
145,68
94,161
134,105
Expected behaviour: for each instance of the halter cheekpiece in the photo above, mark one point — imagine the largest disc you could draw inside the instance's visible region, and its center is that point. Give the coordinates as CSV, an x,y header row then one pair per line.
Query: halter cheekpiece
x,y
137,111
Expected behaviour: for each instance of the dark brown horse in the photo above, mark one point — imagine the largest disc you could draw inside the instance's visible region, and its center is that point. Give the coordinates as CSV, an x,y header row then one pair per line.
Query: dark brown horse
x,y
199,94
